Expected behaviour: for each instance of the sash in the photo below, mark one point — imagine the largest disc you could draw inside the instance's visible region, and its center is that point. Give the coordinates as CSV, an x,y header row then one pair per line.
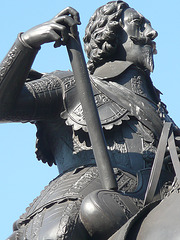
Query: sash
x,y
143,109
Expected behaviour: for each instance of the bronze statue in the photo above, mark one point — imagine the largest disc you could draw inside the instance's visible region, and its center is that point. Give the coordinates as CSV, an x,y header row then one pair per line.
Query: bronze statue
x,y
119,43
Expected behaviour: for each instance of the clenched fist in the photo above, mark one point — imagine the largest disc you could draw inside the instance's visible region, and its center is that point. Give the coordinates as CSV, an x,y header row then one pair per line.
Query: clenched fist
x,y
56,30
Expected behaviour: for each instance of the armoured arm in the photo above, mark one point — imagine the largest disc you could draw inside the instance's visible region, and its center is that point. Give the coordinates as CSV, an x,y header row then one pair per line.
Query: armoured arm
x,y
39,99
34,99
14,70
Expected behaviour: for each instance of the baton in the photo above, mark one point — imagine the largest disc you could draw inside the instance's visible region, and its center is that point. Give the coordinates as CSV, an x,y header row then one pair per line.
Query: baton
x,y
90,112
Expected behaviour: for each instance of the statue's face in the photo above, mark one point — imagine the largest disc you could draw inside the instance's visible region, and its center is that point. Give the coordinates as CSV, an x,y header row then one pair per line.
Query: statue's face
x,y
137,39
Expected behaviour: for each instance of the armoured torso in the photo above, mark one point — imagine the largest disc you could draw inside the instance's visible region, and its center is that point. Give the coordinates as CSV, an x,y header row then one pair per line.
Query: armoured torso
x,y
69,142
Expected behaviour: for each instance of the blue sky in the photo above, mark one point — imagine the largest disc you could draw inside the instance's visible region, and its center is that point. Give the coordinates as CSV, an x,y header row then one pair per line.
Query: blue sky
x,y
22,176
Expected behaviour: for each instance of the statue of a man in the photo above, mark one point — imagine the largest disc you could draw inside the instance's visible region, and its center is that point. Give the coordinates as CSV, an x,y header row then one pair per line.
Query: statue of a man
x,y
119,43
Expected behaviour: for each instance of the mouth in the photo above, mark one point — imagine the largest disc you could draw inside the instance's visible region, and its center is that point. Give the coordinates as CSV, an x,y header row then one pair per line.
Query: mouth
x,y
144,41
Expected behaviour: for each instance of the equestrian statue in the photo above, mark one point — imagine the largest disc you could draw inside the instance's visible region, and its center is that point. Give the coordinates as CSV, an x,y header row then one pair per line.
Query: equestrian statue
x,y
102,124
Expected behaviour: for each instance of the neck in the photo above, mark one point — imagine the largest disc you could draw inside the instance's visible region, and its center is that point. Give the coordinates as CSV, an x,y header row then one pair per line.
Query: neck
x,y
131,76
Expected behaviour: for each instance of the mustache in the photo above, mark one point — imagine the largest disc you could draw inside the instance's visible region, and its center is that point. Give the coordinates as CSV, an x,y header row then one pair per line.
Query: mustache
x,y
144,41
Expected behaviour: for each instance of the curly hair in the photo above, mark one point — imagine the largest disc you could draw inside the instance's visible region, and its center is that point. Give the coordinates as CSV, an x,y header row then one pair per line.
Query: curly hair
x,y
100,40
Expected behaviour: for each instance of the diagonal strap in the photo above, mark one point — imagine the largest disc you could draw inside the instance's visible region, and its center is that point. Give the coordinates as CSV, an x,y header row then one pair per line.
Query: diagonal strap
x,y
174,156
158,162
137,105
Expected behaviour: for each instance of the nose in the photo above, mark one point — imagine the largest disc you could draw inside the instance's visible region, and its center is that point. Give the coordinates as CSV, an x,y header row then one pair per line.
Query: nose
x,y
151,33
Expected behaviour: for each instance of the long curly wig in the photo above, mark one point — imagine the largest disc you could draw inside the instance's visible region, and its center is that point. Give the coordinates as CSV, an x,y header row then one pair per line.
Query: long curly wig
x,y
100,40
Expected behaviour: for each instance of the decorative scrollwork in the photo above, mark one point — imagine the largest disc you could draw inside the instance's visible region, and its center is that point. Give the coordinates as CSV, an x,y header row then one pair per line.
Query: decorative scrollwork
x,y
7,62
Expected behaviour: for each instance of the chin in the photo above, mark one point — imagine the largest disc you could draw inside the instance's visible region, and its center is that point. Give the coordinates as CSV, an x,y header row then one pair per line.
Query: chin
x,y
147,60
140,55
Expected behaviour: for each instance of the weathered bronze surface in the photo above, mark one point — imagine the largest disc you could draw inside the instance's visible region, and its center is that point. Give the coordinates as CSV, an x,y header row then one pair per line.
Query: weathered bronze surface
x,y
81,202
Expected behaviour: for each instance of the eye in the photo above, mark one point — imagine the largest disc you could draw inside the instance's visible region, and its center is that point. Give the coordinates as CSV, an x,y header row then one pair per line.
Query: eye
x,y
137,21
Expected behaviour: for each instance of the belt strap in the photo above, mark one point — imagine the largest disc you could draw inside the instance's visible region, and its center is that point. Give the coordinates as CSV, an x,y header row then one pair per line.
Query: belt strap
x,y
167,136
174,156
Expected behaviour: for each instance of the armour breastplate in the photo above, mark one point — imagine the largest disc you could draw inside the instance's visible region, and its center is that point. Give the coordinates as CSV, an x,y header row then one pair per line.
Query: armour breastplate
x,y
111,112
